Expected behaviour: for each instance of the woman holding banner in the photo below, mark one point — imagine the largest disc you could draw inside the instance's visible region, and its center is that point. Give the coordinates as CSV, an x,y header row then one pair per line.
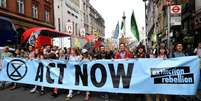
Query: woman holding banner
x,y
162,54
74,56
38,55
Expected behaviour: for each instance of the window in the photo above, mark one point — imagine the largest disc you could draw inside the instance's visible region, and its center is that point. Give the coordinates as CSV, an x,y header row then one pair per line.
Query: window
x,y
3,3
20,6
35,11
47,15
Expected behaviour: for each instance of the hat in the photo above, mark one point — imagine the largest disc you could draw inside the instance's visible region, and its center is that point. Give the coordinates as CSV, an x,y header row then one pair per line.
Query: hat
x,y
84,51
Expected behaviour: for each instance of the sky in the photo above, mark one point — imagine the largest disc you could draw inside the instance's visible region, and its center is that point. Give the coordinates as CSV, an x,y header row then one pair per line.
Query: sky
x,y
112,12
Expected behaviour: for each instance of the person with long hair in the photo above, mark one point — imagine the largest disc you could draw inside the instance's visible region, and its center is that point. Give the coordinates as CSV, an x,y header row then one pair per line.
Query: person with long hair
x,y
162,54
39,56
74,56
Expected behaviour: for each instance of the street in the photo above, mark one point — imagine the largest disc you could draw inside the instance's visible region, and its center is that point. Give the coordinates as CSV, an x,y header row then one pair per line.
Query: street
x,y
21,94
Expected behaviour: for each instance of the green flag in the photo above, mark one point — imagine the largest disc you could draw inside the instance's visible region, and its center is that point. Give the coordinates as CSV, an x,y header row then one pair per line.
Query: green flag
x,y
134,28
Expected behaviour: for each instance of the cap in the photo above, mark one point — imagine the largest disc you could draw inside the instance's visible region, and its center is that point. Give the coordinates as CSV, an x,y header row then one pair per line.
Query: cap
x,y
84,51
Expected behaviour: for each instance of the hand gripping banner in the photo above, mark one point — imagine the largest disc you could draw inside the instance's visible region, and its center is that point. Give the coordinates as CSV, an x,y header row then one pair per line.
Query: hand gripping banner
x,y
175,76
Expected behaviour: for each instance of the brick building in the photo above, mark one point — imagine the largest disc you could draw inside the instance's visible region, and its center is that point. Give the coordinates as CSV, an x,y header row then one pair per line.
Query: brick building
x,y
28,13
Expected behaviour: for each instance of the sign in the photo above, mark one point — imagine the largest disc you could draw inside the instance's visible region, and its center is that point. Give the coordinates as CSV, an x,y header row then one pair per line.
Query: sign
x,y
82,31
176,20
175,9
175,15
175,76
69,28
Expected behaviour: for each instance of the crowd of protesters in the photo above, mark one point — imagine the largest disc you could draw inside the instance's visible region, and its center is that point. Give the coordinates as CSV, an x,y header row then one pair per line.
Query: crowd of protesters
x,y
76,54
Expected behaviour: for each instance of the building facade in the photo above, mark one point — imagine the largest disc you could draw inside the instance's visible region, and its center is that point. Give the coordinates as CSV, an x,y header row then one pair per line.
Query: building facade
x,y
77,18
182,33
197,21
68,19
28,13
97,23
93,21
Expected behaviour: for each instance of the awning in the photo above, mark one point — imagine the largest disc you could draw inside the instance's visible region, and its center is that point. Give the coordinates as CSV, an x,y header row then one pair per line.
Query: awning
x,y
43,32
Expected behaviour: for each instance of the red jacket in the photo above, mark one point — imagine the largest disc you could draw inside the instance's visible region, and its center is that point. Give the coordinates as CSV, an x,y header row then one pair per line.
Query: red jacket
x,y
117,55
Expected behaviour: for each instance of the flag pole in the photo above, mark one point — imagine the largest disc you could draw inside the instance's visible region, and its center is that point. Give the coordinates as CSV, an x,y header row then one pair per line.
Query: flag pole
x,y
124,21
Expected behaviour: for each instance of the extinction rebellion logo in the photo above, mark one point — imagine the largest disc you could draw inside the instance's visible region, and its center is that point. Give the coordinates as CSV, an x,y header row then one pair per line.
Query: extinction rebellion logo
x,y
172,75
16,69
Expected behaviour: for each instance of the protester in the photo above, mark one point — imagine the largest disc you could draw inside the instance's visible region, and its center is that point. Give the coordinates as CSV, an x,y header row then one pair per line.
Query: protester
x,y
122,53
74,56
31,53
197,50
163,45
17,54
178,50
85,57
39,56
162,55
3,55
62,55
102,54
140,52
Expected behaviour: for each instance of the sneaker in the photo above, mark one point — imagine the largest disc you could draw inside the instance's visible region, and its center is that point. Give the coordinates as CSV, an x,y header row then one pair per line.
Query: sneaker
x,y
13,88
33,90
42,92
55,93
86,98
106,97
78,93
3,85
68,97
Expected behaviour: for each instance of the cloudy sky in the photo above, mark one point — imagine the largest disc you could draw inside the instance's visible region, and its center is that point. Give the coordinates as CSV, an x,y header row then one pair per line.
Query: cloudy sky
x,y
112,11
